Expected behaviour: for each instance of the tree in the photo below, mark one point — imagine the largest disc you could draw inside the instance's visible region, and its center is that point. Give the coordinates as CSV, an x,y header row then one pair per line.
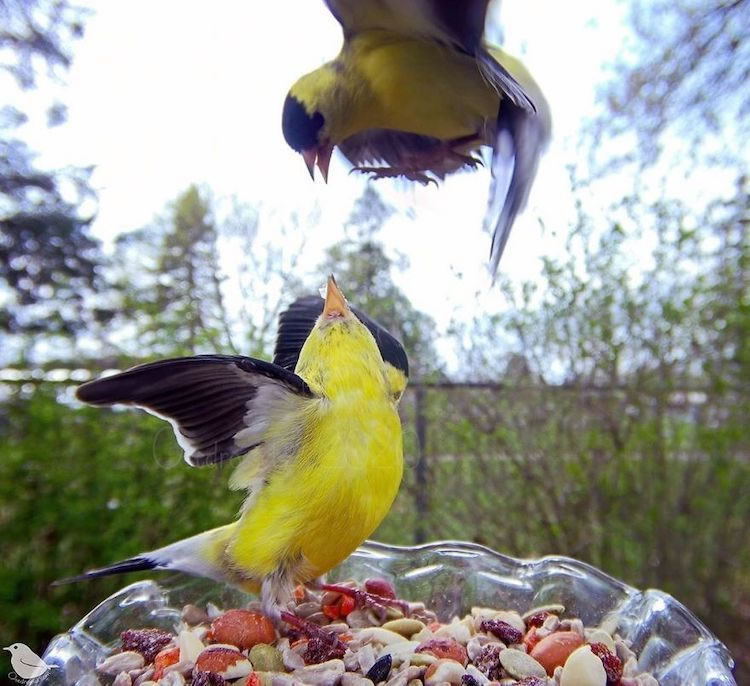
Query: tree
x,y
170,282
48,260
683,83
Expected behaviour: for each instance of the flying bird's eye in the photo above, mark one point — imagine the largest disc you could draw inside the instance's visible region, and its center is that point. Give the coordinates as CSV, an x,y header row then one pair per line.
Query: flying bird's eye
x,y
300,129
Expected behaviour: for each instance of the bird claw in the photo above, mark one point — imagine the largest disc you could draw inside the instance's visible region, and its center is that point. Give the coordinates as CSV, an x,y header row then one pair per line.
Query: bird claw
x,y
371,600
395,172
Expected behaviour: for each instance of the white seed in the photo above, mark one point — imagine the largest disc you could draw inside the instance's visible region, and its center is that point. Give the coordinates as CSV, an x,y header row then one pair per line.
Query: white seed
x,y
379,635
172,679
404,626
292,660
323,674
518,664
121,662
190,645
583,668
447,671
457,630
366,657
401,651
350,679
143,678
122,679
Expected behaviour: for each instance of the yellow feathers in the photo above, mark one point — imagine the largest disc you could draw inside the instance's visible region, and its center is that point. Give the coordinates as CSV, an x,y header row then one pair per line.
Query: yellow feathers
x,y
415,93
319,435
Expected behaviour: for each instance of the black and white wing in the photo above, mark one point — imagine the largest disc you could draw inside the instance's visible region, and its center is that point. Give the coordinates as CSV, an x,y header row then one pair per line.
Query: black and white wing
x,y
218,405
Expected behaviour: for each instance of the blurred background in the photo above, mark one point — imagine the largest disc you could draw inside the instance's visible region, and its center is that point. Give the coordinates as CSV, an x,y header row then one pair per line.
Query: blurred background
x,y
593,402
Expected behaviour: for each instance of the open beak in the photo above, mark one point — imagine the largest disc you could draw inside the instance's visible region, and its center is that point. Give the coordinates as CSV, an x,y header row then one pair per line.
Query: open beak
x,y
335,305
320,156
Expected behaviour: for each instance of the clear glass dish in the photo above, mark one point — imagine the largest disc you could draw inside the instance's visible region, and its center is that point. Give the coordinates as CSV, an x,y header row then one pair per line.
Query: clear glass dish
x,y
449,577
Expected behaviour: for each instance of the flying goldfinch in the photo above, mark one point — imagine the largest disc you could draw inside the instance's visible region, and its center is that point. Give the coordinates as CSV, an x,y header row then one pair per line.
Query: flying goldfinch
x,y
319,436
414,92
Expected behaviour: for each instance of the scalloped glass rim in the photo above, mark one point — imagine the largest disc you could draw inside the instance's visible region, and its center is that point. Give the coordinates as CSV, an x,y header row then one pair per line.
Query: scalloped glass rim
x,y
450,577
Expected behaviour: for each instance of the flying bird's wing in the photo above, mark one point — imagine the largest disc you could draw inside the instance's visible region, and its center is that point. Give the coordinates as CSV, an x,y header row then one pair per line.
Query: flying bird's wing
x,y
459,23
520,140
298,320
218,405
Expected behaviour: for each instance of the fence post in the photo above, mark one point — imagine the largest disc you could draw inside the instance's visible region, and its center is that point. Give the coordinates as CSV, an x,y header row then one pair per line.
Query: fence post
x,y
420,468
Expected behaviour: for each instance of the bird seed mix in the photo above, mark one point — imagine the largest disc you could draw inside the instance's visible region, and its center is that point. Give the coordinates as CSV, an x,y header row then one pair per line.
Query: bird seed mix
x,y
353,634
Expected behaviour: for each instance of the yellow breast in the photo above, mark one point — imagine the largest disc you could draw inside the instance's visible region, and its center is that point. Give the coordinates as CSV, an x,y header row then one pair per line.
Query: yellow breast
x,y
332,496
341,471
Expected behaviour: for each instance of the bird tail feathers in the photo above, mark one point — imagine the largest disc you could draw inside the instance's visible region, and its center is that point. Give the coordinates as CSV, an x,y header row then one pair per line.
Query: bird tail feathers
x,y
200,555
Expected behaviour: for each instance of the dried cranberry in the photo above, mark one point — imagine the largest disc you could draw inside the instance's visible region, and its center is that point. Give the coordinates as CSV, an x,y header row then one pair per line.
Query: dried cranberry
x,y
381,587
537,619
612,663
207,679
505,632
319,649
488,662
147,642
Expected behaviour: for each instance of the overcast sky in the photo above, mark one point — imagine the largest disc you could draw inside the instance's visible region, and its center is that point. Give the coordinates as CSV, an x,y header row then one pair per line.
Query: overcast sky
x,y
165,94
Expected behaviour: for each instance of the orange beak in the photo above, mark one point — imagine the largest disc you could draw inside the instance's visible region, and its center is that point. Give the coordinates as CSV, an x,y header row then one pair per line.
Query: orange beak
x,y
335,305
320,156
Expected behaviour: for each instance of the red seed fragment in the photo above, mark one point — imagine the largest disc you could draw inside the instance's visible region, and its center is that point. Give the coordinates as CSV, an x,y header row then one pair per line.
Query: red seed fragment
x,y
380,587
346,605
243,628
507,633
531,639
612,663
537,619
444,648
163,659
147,642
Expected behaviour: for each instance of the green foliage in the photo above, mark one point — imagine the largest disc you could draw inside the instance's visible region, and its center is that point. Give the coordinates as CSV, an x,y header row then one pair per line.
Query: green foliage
x,y
83,487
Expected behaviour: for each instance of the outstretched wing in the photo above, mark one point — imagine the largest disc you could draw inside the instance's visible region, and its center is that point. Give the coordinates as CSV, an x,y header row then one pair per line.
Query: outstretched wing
x,y
218,405
298,320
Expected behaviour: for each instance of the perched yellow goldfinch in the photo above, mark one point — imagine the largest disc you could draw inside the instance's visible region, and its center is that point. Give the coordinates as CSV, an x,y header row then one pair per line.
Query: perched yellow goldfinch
x,y
320,433
415,91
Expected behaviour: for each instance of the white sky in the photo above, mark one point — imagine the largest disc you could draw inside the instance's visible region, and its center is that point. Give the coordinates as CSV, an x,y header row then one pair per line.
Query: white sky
x,y
165,94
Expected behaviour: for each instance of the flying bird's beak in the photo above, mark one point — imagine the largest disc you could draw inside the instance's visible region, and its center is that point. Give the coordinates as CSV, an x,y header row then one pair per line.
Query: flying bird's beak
x,y
335,305
310,156
320,156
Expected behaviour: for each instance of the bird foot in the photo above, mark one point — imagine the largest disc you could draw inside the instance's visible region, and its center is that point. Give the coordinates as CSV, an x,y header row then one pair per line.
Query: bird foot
x,y
395,172
371,600
322,645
